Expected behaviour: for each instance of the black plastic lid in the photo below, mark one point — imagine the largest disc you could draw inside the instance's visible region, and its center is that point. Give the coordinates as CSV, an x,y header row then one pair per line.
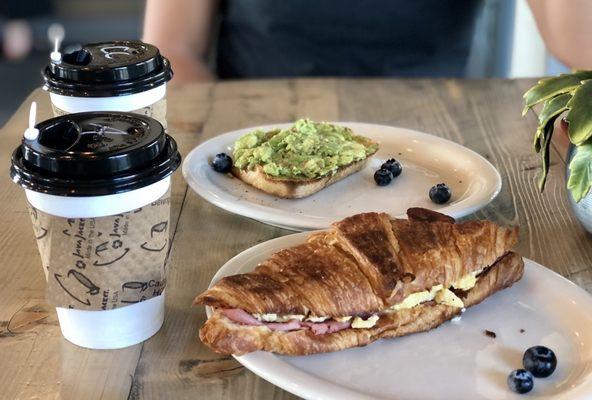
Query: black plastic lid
x,y
95,154
108,69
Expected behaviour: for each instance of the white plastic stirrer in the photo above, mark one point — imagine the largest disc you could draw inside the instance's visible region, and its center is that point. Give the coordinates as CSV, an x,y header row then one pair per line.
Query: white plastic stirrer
x,y
31,133
56,34
55,55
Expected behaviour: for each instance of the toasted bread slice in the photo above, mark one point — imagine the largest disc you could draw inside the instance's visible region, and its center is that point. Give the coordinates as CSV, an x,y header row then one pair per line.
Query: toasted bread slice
x,y
296,188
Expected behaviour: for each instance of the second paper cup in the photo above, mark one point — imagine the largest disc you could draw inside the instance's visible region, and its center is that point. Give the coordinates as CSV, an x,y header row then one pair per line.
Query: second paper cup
x,y
127,75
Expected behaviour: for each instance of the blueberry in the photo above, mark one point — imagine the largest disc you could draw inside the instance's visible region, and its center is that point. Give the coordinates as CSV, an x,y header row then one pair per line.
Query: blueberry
x,y
222,163
440,193
540,361
520,381
383,177
394,166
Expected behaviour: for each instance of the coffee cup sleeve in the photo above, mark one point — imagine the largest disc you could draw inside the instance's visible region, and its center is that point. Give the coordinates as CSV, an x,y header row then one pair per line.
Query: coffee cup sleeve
x,y
104,263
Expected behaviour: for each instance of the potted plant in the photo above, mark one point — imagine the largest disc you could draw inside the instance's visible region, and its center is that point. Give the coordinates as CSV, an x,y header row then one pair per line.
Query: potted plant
x,y
569,95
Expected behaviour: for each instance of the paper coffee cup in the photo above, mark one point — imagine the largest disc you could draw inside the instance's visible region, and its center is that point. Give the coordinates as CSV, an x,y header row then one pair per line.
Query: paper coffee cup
x,y
98,187
128,76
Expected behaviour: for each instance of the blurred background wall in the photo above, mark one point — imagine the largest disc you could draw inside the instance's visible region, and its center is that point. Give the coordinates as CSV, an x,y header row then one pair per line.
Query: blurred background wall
x,y
506,41
24,45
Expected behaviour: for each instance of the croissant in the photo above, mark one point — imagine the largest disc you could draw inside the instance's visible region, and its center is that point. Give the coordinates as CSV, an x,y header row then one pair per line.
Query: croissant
x,y
368,277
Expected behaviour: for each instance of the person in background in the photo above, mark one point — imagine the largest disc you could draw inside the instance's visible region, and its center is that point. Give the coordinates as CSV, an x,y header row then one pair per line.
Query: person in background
x,y
208,39
270,38
566,28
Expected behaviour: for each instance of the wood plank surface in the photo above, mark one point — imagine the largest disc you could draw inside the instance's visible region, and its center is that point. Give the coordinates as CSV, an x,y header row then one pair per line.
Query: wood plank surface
x,y
484,115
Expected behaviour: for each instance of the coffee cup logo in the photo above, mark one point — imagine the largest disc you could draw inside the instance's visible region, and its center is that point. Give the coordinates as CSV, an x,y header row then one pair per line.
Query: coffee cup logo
x,y
102,130
110,252
136,291
111,52
98,137
112,248
78,286
159,237
40,231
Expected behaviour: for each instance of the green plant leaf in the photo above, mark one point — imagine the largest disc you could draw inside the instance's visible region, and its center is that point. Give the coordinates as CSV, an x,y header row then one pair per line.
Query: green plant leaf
x,y
551,110
545,143
580,172
550,87
579,117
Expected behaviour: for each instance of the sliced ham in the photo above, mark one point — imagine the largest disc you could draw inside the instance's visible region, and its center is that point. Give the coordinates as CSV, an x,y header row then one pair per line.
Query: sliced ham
x,y
318,328
291,325
321,328
240,316
243,317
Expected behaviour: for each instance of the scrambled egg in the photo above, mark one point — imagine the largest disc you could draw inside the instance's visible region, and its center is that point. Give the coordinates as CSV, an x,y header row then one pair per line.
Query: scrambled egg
x,y
359,323
447,297
416,298
278,318
342,319
437,293
313,318
466,282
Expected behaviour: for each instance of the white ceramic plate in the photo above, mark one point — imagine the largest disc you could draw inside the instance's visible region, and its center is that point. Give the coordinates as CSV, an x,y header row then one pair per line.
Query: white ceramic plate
x,y
426,160
455,361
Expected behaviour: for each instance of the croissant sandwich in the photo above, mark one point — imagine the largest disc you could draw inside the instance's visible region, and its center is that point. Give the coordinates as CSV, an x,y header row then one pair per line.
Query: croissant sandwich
x,y
369,277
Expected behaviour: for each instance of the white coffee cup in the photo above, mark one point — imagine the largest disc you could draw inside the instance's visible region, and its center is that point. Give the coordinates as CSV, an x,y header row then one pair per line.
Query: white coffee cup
x,y
131,323
111,329
126,76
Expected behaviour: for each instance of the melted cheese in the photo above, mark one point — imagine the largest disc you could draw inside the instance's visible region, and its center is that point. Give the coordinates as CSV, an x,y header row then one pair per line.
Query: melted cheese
x,y
437,293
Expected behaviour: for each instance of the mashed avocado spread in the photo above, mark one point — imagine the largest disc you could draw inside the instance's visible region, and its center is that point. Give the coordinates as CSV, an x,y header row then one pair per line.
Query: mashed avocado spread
x,y
307,149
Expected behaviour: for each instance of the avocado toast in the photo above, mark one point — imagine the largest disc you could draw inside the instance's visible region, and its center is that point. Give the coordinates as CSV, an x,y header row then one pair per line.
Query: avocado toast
x,y
300,160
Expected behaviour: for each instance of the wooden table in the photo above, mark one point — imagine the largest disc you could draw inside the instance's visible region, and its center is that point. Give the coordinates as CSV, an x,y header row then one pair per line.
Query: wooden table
x,y
484,115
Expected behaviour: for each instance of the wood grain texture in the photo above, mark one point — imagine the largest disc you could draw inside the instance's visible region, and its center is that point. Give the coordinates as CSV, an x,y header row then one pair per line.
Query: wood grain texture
x,y
36,362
